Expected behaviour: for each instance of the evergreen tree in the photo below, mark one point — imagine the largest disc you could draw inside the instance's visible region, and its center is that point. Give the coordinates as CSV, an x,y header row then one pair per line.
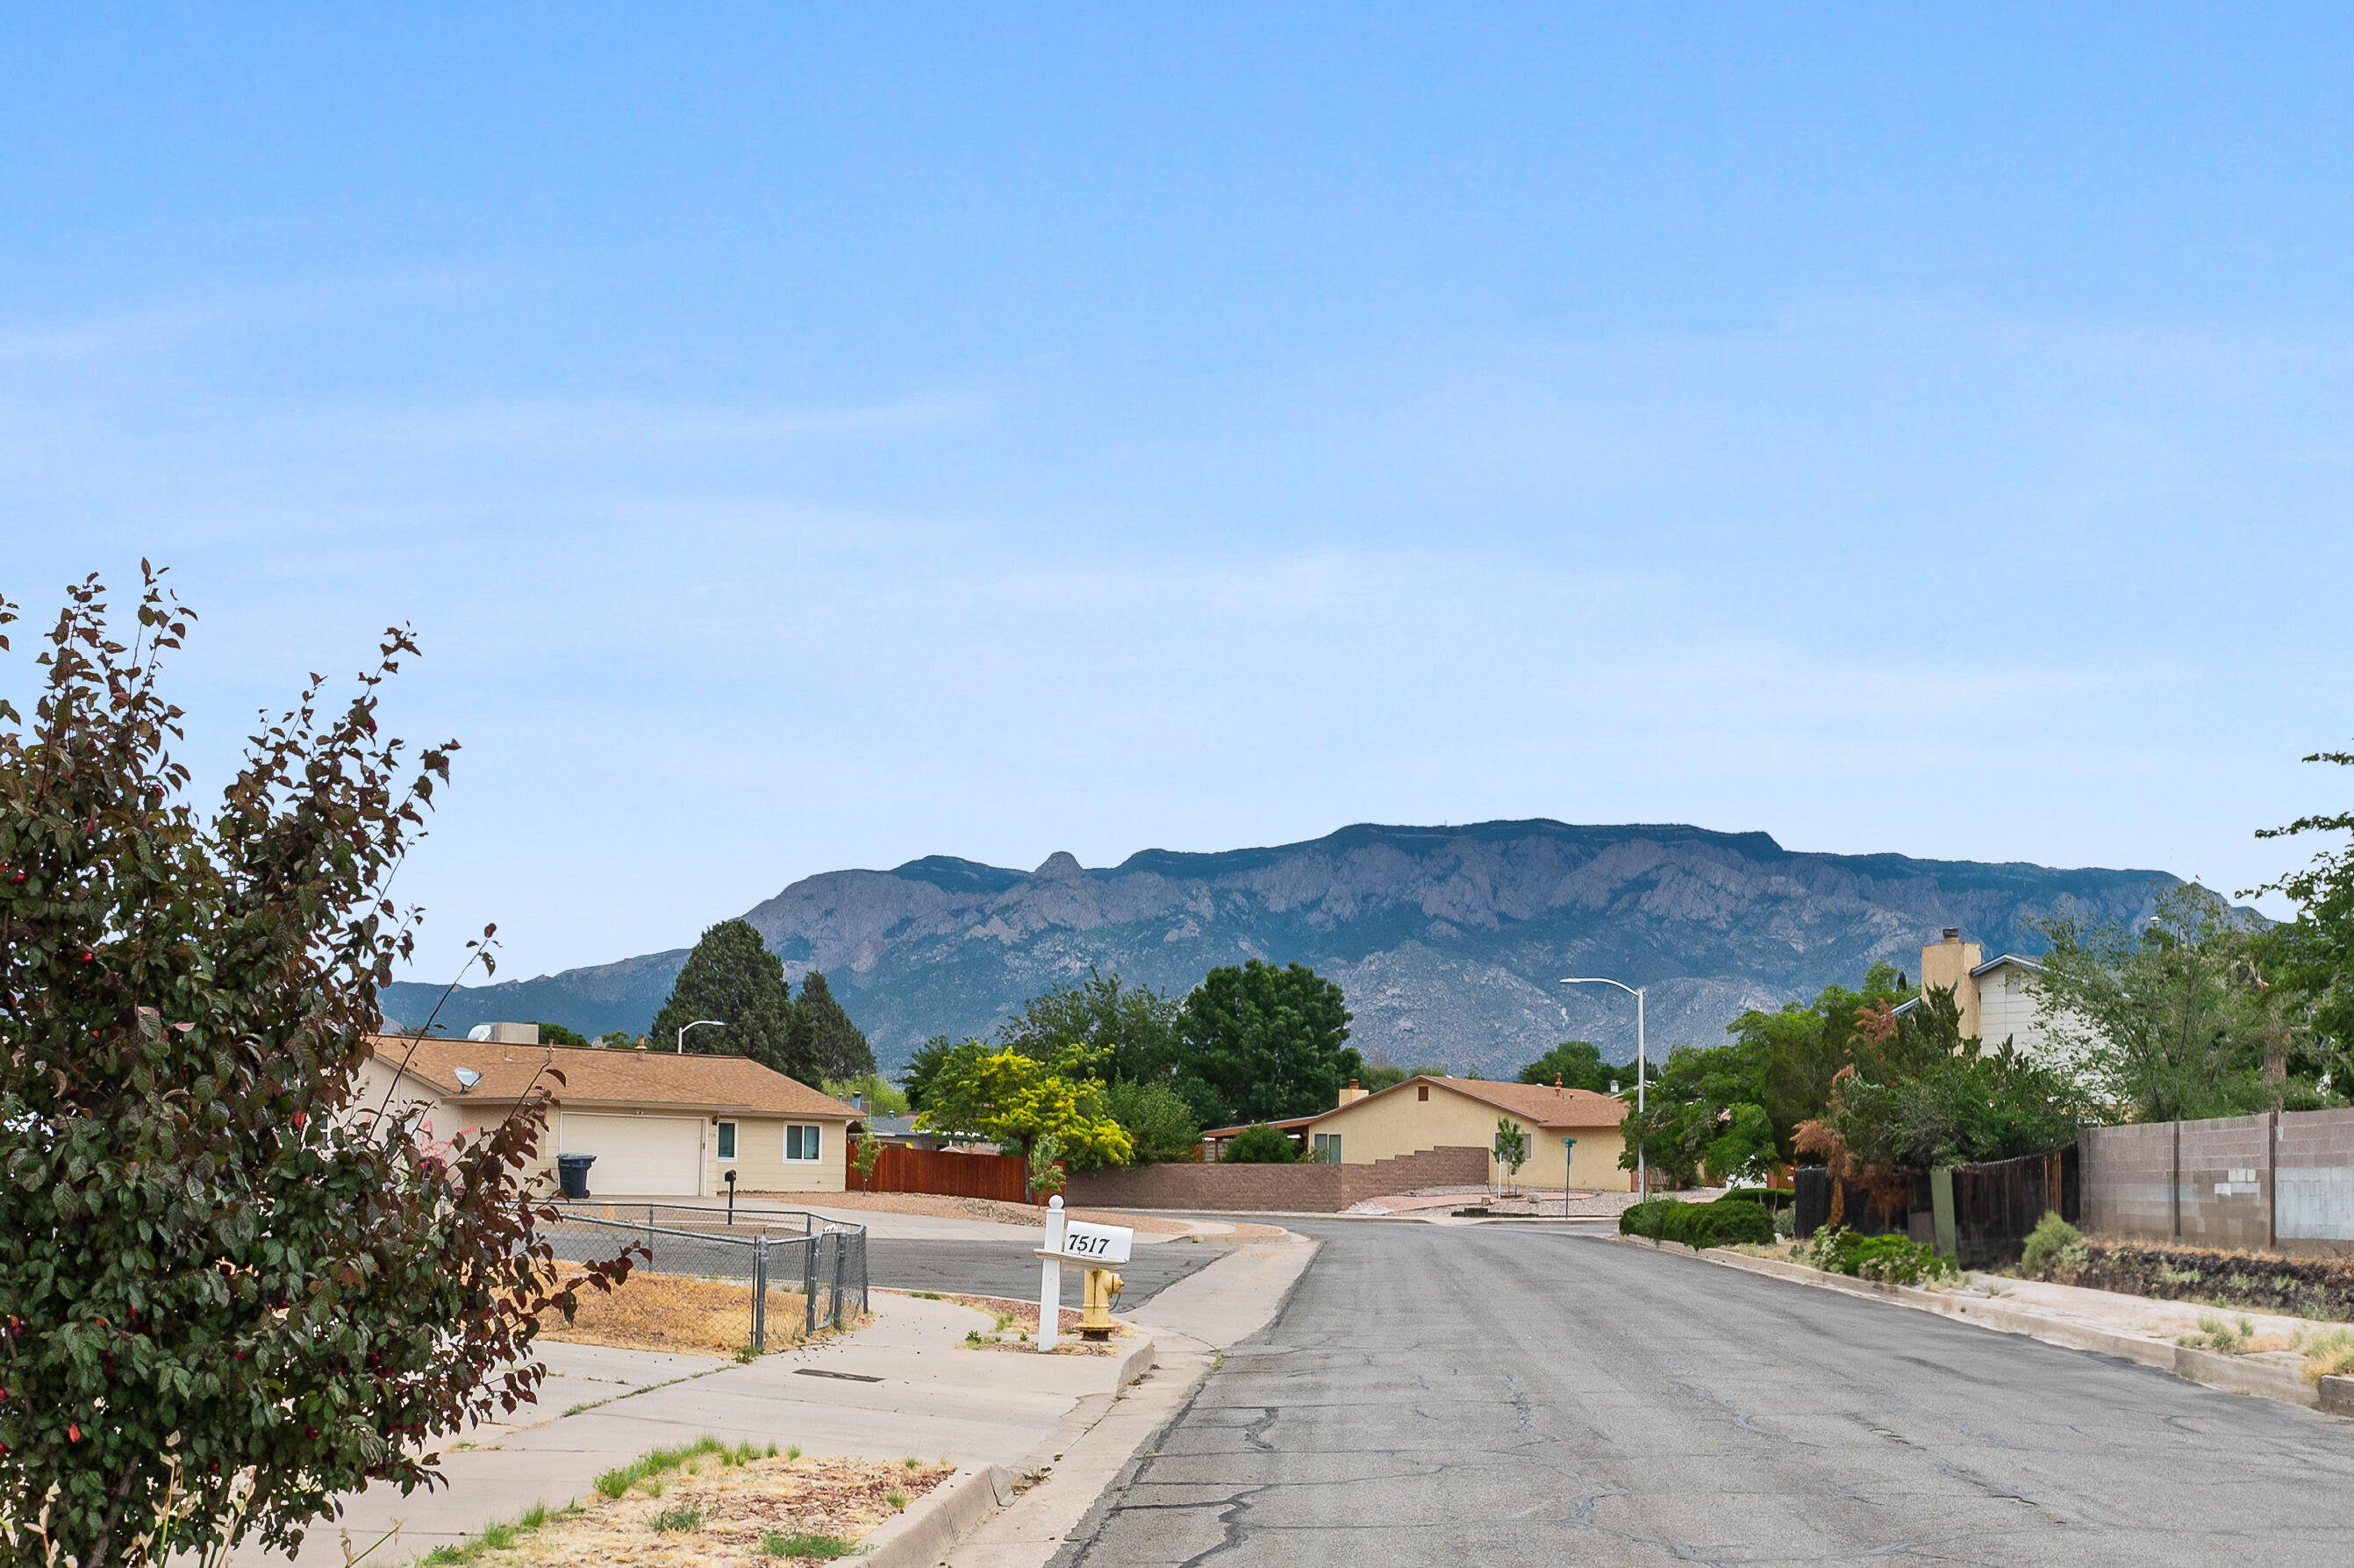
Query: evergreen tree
x,y
824,1037
731,976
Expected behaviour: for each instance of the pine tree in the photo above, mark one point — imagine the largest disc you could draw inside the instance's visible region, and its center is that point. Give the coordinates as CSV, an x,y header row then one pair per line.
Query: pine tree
x,y
731,976
824,1036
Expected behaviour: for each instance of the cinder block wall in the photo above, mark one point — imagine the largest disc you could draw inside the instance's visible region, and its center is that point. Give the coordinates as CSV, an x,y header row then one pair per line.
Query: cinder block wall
x,y
1274,1189
2279,1183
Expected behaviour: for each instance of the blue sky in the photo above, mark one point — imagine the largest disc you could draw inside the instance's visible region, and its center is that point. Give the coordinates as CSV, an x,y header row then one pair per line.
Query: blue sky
x,y
818,437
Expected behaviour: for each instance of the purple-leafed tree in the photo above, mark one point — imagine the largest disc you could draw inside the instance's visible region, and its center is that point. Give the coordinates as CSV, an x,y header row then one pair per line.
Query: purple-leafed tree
x,y
229,1290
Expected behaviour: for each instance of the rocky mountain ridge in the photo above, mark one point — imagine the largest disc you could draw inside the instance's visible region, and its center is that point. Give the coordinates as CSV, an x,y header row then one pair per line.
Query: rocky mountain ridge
x,y
1449,941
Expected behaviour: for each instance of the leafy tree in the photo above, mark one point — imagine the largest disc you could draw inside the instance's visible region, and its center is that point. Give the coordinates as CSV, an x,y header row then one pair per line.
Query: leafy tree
x,y
923,1069
232,1289
1259,1144
1158,1123
1703,1113
824,1038
1045,1172
2305,968
1133,1027
556,1034
1957,1109
1575,1064
1512,1147
1800,1050
1012,1101
2168,1019
617,1040
1269,1043
882,1097
731,976
1377,1075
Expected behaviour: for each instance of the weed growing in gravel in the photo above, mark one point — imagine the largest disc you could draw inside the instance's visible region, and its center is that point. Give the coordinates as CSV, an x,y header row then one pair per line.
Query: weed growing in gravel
x,y
2328,1355
2214,1334
679,1520
821,1547
643,1470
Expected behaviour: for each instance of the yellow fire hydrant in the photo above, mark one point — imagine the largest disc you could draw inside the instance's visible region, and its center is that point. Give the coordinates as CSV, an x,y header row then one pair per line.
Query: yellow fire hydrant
x,y
1094,1318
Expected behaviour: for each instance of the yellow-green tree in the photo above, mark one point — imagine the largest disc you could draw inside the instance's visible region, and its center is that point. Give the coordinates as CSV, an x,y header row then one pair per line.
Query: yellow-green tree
x,y
1014,1100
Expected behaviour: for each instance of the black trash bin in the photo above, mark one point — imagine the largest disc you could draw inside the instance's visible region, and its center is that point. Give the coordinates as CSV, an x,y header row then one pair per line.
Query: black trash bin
x,y
572,1173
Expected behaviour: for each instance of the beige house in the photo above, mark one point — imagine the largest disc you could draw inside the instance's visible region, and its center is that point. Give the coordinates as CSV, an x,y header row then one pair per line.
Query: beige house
x,y
660,1124
1437,1113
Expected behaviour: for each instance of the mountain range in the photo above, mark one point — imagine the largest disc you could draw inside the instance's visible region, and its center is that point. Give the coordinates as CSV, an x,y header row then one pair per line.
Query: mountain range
x,y
1449,941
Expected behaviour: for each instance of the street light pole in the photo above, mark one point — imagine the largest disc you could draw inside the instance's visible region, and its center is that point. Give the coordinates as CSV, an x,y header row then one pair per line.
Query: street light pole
x,y
715,1023
1642,1169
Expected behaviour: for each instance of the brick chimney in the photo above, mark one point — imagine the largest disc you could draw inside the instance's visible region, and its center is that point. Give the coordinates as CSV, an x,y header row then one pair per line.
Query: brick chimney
x,y
1352,1094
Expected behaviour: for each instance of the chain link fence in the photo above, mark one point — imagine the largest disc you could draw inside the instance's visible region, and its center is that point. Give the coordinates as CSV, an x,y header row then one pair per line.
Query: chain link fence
x,y
771,1250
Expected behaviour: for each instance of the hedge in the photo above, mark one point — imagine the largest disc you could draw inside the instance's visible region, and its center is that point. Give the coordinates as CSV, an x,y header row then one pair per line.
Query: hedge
x,y
1721,1224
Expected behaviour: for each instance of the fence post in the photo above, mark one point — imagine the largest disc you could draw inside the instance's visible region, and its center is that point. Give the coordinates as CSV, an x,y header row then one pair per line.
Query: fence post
x,y
760,1294
808,1286
2174,1188
2271,1182
835,1313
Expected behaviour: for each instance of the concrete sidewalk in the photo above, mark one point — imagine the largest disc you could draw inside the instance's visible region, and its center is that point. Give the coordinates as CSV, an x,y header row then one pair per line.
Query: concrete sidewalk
x,y
2135,1327
1191,1322
902,1387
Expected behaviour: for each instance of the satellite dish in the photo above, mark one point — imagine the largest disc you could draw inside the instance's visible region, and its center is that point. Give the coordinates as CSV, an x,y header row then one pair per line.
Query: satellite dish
x,y
467,1079
480,1033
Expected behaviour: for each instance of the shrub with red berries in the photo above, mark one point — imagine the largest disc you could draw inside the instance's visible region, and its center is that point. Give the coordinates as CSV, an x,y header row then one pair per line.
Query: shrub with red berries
x,y
229,1291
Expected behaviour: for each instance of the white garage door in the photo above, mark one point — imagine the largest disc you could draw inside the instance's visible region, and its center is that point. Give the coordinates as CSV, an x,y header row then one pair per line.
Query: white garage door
x,y
639,1156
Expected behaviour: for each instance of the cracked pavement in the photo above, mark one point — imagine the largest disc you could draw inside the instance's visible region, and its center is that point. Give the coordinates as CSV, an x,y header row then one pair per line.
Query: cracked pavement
x,y
1500,1396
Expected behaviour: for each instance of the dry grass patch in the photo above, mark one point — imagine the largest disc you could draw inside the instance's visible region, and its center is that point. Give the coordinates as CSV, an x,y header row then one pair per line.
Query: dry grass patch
x,y
678,1312
708,1503
1017,1328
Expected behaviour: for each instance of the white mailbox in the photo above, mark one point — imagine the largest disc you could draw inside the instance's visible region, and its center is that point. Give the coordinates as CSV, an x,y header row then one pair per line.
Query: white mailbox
x,y
1097,1245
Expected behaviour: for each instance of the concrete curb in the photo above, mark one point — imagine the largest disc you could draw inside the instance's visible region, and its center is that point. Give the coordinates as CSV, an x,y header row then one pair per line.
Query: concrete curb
x,y
2261,1379
936,1520
1134,1364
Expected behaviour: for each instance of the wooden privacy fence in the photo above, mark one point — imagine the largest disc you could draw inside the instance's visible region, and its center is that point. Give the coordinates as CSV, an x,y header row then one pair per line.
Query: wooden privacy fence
x,y
1982,1216
1001,1177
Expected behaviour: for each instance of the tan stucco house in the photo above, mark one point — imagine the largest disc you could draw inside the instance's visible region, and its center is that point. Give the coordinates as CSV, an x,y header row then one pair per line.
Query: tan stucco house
x,y
1436,1113
660,1124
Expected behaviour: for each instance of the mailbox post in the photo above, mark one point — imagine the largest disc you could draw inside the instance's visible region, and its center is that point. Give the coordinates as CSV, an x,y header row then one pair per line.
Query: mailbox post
x,y
1095,1246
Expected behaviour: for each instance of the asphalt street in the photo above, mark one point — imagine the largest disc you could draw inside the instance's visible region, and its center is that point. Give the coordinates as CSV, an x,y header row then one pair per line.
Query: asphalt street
x,y
1477,1395
975,1267
1010,1269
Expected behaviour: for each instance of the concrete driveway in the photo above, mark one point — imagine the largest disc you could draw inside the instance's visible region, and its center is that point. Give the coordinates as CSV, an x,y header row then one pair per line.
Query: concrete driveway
x,y
1444,1397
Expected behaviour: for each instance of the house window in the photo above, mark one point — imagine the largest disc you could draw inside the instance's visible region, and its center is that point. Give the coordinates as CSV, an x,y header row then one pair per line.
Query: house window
x,y
727,1140
1328,1149
803,1142
1422,1091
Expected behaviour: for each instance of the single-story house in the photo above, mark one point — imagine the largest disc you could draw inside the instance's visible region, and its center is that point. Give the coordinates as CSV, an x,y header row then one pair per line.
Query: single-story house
x,y
1435,1113
901,1131
660,1124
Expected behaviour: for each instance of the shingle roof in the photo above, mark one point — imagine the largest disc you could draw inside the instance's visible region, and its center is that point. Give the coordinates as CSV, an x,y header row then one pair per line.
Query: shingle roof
x,y
1540,1103
593,1076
